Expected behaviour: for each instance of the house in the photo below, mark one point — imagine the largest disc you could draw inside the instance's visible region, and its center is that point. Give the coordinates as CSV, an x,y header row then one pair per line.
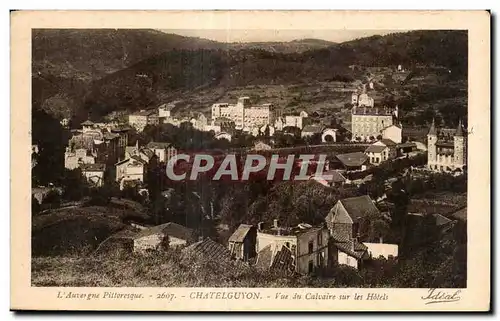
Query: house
x,y
131,169
311,130
381,151
393,132
73,159
345,221
139,120
164,236
165,110
353,161
164,151
242,242
447,149
94,173
305,246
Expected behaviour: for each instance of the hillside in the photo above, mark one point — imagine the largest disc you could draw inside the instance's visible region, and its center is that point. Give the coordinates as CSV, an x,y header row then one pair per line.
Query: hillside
x,y
152,67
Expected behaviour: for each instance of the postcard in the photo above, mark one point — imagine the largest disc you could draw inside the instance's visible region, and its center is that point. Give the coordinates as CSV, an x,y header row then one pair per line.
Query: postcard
x,y
250,160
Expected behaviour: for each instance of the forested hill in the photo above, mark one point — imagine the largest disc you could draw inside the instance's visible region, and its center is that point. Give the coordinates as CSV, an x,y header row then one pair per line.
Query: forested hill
x,y
156,68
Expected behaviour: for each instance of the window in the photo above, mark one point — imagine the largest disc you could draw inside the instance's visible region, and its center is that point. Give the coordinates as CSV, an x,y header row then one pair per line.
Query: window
x,y
311,266
311,247
320,239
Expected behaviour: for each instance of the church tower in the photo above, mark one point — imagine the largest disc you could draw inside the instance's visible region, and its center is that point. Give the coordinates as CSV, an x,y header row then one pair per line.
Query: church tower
x,y
459,143
431,145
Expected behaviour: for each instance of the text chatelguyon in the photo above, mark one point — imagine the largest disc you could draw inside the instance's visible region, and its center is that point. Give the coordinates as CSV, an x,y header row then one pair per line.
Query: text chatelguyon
x,y
242,167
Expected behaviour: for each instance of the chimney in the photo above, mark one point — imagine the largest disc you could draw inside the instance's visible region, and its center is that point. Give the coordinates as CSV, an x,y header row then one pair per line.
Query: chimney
x,y
275,223
381,240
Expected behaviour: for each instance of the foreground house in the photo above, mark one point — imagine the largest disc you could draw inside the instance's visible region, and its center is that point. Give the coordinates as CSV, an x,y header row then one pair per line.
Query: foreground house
x,y
207,251
168,235
94,173
242,242
344,221
300,249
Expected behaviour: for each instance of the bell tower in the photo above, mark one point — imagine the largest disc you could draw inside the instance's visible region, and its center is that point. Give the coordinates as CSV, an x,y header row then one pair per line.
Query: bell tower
x,y
431,145
459,147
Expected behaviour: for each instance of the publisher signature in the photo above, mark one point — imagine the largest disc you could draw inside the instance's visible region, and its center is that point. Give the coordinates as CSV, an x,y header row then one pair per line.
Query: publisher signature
x,y
440,296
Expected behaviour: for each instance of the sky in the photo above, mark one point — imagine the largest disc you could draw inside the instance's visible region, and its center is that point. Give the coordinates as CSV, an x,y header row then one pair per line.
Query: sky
x,y
232,35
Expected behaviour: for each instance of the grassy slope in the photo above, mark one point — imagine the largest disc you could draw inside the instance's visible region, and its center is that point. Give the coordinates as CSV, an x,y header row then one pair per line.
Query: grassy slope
x,y
155,270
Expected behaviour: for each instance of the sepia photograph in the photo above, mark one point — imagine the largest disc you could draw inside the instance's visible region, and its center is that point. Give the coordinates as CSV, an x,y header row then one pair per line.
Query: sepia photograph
x,y
302,158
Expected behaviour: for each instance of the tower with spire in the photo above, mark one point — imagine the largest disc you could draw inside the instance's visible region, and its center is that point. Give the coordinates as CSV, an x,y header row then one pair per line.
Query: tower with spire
x,y
431,145
459,146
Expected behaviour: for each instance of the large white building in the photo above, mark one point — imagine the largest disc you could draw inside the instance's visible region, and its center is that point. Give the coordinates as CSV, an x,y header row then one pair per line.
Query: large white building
x,y
243,114
368,121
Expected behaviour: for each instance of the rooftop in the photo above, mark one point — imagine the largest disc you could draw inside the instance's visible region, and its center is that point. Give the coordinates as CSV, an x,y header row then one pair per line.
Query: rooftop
x,y
359,207
240,233
171,229
316,129
93,167
375,149
352,159
291,231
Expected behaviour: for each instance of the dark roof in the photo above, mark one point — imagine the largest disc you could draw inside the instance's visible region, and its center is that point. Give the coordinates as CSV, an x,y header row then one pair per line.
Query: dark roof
x,y
283,261
337,177
93,167
171,229
208,250
138,159
460,214
240,233
312,129
375,149
349,246
359,207
441,220
388,142
353,159
158,145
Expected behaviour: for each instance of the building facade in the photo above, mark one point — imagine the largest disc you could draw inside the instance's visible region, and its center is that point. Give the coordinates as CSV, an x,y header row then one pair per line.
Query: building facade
x,y
243,114
446,149
307,245
368,122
